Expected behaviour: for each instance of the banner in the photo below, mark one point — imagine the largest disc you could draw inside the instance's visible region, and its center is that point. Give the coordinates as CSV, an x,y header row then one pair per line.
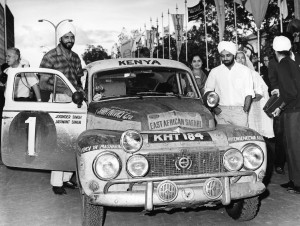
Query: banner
x,y
151,35
220,6
178,26
257,8
166,30
283,8
195,12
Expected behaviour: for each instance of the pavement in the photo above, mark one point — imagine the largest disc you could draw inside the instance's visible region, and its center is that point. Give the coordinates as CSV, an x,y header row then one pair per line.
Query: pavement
x,y
26,199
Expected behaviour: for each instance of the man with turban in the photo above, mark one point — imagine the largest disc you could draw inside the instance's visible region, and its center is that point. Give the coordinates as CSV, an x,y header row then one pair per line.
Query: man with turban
x,y
234,85
63,59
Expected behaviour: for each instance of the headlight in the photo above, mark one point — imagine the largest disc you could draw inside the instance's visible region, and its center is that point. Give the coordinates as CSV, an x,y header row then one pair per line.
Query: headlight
x,y
233,160
131,141
107,166
212,99
137,166
253,156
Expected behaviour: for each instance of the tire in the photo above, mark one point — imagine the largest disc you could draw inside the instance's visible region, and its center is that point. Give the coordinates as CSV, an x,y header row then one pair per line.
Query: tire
x,y
244,210
92,215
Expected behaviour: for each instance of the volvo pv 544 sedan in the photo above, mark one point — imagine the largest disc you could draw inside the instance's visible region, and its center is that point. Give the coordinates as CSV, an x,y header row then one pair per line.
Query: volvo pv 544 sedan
x,y
142,135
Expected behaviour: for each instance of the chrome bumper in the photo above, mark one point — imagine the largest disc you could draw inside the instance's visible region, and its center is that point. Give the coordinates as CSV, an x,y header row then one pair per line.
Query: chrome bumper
x,y
149,197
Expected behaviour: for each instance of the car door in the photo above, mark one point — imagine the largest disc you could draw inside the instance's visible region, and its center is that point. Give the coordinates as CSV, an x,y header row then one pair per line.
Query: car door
x,y
41,135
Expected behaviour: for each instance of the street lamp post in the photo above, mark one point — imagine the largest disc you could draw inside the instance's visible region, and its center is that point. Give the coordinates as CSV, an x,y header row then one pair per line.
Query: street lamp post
x,y
55,26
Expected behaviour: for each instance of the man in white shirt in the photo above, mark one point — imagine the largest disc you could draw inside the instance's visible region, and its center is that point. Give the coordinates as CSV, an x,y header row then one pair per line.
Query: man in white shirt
x,y
234,85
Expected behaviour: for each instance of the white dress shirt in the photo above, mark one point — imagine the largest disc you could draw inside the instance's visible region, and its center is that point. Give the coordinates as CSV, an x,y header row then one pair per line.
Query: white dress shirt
x,y
232,85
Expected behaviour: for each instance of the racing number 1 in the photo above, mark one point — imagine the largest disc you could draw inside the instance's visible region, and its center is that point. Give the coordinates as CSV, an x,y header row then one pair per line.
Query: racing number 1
x,y
31,135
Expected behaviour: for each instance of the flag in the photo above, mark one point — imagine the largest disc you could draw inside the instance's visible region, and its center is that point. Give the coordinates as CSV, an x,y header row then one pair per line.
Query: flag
x,y
136,43
166,30
220,6
195,12
258,8
178,25
246,4
283,8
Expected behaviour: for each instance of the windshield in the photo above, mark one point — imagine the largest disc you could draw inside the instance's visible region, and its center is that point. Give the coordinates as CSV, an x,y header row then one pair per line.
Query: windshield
x,y
143,82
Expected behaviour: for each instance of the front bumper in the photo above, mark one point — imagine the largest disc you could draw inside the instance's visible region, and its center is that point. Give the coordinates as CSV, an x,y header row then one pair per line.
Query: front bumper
x,y
187,195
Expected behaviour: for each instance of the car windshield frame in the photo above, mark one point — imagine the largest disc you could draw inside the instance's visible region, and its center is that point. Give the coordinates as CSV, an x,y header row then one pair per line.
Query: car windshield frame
x,y
143,81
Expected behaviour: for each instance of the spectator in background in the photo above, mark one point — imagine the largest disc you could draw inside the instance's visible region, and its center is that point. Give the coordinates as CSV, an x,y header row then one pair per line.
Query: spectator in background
x,y
264,72
25,82
289,89
234,85
63,59
199,75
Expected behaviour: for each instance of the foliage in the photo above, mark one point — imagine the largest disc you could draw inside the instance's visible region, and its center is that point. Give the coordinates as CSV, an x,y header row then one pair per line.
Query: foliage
x,y
94,53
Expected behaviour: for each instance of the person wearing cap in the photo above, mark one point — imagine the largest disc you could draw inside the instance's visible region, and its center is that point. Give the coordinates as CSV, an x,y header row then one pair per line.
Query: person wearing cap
x,y
289,89
63,59
234,85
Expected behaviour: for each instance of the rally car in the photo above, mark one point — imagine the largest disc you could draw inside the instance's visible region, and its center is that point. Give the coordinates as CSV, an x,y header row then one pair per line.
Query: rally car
x,y
142,135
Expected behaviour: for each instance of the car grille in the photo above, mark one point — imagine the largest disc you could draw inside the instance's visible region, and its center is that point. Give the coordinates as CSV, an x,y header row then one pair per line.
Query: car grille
x,y
172,164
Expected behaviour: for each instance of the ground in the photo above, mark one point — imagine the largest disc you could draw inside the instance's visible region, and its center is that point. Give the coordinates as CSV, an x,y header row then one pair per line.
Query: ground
x,y
27,199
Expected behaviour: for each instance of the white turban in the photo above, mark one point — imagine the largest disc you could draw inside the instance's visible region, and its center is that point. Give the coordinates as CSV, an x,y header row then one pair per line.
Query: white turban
x,y
281,43
228,46
65,28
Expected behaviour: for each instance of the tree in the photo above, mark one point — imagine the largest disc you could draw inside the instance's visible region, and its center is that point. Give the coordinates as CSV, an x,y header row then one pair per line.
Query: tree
x,y
94,53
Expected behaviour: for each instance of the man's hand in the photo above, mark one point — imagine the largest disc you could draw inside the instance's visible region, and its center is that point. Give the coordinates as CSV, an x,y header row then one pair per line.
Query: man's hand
x,y
217,110
275,91
247,103
257,97
276,112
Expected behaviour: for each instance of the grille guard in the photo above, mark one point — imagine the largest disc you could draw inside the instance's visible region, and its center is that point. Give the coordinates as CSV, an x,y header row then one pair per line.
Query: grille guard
x,y
185,177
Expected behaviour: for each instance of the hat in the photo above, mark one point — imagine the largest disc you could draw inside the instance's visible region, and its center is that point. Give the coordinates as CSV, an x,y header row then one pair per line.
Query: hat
x,y
281,43
65,28
228,46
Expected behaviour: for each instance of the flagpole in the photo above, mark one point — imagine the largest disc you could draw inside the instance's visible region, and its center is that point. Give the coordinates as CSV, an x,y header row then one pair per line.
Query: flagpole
x,y
186,40
175,33
169,34
163,34
157,35
280,18
235,26
205,27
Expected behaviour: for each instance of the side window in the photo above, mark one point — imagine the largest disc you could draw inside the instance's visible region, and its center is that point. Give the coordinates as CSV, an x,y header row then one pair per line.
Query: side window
x,y
25,87
54,89
30,86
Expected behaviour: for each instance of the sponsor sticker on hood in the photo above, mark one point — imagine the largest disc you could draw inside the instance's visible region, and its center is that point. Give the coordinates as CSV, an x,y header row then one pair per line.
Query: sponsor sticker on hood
x,y
171,119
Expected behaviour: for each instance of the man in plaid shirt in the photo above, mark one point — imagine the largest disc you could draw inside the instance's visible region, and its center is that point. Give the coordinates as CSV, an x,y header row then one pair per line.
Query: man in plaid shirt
x,y
63,59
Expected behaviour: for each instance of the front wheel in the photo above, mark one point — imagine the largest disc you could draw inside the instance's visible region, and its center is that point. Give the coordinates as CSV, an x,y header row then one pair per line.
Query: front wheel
x,y
92,215
244,210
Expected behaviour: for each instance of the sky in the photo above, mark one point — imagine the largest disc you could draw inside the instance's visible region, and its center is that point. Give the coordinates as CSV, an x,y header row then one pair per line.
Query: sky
x,y
97,22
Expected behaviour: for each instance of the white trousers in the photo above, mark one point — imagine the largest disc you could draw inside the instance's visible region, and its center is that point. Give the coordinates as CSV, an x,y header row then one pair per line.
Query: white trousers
x,y
58,177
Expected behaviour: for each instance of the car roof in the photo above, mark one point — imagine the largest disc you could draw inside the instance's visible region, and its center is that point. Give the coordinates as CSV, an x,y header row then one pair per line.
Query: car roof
x,y
133,62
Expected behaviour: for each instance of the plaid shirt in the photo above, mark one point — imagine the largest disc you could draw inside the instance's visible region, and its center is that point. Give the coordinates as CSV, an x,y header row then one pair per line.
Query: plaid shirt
x,y
70,67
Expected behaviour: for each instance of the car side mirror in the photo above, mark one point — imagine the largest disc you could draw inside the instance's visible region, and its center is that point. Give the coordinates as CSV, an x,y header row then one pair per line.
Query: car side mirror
x,y
78,98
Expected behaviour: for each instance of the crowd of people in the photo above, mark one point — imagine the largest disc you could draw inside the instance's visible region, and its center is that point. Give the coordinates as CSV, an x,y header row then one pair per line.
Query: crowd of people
x,y
242,90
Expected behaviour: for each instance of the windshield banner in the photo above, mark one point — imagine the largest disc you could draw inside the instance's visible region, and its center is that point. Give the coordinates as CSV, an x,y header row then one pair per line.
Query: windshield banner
x,y
173,119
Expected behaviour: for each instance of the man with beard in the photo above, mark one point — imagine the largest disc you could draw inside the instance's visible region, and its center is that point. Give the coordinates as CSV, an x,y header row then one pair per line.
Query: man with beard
x,y
234,85
63,59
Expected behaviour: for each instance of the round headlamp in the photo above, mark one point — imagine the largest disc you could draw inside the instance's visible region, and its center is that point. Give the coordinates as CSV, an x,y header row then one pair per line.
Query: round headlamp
x,y
137,166
131,141
212,99
107,166
253,156
233,160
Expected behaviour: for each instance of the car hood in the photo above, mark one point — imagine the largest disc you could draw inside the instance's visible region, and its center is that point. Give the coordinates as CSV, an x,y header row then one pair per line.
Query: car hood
x,y
150,114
